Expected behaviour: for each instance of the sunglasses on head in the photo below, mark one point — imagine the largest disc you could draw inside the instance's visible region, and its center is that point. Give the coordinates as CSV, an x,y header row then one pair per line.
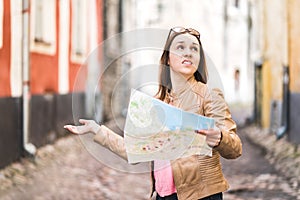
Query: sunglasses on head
x,y
181,30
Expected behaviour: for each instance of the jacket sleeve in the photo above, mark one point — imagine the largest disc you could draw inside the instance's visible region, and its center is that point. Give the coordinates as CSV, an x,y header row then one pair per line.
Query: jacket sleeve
x,y
215,106
111,141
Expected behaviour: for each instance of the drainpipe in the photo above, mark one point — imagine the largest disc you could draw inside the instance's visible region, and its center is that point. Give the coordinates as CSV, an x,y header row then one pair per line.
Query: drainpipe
x,y
281,131
28,147
257,88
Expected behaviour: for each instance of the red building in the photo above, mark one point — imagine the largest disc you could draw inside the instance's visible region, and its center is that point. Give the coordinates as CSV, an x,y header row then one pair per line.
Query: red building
x,y
43,46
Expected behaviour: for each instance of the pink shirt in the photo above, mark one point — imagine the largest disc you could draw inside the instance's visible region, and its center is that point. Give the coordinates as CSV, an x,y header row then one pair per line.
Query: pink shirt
x,y
164,182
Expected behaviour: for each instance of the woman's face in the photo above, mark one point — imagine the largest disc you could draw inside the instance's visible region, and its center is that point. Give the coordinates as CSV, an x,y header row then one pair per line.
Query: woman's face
x,y
184,55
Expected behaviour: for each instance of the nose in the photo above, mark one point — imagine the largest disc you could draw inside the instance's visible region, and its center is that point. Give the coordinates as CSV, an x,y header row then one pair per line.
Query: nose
x,y
187,53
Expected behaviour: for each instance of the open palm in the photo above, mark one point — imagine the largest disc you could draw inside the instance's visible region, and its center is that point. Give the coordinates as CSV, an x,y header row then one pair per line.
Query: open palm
x,y
88,126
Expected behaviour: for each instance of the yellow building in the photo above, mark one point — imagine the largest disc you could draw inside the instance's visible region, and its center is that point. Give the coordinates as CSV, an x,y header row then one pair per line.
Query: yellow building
x,y
276,29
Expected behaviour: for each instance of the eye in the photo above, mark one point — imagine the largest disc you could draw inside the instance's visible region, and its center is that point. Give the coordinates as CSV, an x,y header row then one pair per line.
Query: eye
x,y
195,49
180,47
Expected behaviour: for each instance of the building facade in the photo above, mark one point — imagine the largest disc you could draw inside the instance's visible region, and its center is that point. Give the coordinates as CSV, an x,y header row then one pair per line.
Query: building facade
x,y
44,45
277,28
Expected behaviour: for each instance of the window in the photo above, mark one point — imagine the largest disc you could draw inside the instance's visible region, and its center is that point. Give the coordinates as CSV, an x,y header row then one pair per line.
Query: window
x,y
1,22
79,30
43,26
236,3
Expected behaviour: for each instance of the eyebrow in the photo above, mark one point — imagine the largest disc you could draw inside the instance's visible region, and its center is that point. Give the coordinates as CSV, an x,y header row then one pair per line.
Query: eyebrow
x,y
193,43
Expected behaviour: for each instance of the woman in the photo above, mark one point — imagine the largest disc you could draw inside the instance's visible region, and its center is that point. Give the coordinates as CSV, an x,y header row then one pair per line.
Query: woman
x,y
183,78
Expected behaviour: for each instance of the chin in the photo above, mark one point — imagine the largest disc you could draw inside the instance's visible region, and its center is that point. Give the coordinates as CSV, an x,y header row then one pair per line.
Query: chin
x,y
188,73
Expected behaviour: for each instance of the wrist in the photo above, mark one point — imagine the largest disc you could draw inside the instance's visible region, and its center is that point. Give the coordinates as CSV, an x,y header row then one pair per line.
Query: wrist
x,y
96,129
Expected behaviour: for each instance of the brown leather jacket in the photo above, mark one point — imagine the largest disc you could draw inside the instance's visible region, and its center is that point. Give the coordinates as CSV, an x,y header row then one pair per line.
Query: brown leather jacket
x,y
196,176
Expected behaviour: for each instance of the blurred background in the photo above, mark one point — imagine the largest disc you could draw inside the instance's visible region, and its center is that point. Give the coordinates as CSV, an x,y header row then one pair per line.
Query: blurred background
x,y
63,59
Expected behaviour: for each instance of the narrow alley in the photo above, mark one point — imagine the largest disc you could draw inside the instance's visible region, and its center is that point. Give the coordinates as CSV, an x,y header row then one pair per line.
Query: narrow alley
x,y
65,170
64,60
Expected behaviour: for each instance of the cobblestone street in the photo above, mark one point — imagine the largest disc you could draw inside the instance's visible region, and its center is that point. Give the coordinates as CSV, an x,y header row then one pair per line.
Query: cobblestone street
x,y
65,170
63,61
252,177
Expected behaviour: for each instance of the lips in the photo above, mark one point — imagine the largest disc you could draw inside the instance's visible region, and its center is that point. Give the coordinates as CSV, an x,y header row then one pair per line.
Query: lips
x,y
187,62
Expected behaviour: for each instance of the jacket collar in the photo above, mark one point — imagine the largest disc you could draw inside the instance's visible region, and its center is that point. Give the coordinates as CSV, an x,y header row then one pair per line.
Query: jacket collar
x,y
180,86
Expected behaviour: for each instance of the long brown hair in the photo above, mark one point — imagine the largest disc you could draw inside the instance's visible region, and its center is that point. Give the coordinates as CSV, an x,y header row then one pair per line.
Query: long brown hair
x,y
165,84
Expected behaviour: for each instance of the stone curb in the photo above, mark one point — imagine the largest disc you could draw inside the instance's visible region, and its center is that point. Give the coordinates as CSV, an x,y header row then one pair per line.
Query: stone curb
x,y
284,155
20,172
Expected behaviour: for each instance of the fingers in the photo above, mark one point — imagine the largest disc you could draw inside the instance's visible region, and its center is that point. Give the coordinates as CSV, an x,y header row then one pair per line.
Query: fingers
x,y
86,127
210,132
202,132
72,129
68,127
83,121
77,129
213,136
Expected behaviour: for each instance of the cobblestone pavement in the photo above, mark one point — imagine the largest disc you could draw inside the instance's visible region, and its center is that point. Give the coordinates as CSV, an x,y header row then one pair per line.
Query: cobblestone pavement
x,y
65,170
252,177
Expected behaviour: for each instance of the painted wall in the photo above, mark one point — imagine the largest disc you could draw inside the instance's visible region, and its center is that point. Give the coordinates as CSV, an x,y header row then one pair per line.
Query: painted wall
x,y
294,69
279,46
273,53
52,74
294,44
5,52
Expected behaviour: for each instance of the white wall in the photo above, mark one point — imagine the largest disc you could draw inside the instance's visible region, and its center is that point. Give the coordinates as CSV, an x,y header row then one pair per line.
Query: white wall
x,y
16,48
207,17
63,57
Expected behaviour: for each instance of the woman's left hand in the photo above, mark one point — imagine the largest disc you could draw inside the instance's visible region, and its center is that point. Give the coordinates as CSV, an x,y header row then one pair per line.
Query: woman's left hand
x,y
213,136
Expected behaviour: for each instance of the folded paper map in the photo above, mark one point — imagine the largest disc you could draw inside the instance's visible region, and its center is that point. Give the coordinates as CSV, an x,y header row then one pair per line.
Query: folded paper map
x,y
155,130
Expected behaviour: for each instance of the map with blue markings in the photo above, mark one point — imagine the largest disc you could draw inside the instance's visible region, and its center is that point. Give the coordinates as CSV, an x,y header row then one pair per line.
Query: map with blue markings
x,y
155,130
